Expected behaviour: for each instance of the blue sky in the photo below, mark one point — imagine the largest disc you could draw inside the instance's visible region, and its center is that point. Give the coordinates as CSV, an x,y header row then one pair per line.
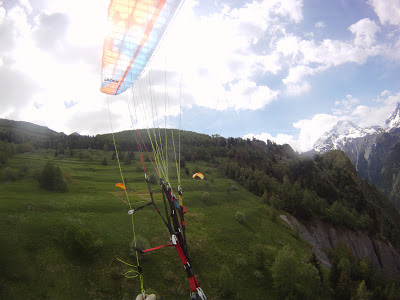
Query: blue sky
x,y
283,70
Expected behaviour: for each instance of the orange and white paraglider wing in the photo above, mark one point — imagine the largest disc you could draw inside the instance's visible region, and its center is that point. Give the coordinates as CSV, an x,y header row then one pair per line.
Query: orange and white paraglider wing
x,y
136,27
120,185
200,175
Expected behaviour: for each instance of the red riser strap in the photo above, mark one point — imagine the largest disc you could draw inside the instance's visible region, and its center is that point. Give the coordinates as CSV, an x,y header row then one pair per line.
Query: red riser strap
x,y
181,254
152,249
193,283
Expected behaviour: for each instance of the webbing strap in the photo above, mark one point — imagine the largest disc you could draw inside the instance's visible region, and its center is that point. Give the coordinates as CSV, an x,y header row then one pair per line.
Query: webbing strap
x,y
143,206
181,254
193,283
155,248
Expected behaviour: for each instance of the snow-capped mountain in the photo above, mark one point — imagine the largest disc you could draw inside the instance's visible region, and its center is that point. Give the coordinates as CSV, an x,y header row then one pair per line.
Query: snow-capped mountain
x,y
341,134
374,151
394,120
345,132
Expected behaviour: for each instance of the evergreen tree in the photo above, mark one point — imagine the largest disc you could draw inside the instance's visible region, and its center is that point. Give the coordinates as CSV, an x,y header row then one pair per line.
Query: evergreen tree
x,y
315,262
343,287
362,292
334,274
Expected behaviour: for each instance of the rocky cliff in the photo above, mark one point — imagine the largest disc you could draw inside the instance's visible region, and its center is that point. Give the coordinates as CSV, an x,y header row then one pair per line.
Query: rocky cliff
x,y
323,236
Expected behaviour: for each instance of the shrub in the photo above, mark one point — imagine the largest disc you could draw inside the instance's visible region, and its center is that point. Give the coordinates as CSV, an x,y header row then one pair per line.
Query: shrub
x,y
141,243
228,190
23,171
241,262
9,174
127,160
206,198
258,275
273,214
81,240
104,162
226,281
240,217
265,197
259,255
153,179
234,188
51,178
276,202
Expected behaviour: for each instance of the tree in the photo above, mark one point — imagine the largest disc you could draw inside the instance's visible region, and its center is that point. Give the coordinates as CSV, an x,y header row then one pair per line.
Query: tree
x,y
284,272
153,179
343,288
362,292
52,179
265,197
309,284
334,274
315,262
127,160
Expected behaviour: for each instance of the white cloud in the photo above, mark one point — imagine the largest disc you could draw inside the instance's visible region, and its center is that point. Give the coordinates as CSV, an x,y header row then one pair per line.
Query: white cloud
x,y
388,11
296,89
366,116
345,106
2,14
288,45
364,31
225,59
295,81
307,58
312,129
51,30
216,58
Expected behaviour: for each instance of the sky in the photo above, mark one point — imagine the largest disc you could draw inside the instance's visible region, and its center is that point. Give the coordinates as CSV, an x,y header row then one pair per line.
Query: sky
x,y
282,70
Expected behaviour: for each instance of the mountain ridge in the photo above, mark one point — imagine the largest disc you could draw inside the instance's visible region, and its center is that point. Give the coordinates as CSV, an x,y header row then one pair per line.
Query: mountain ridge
x,y
374,151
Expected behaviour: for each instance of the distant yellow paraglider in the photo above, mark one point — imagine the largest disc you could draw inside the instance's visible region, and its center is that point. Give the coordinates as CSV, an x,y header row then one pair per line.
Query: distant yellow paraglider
x,y
121,185
200,175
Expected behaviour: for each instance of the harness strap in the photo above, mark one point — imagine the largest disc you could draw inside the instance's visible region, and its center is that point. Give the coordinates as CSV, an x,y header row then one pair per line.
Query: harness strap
x,y
155,248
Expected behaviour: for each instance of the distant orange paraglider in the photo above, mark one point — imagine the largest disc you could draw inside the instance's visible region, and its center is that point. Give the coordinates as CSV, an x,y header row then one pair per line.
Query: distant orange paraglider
x,y
200,175
121,185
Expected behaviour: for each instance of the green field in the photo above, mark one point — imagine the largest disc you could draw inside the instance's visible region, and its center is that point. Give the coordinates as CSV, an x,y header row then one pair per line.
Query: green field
x,y
36,263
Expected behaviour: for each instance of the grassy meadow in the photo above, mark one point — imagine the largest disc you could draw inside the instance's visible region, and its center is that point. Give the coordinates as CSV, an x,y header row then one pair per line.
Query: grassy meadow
x,y
36,263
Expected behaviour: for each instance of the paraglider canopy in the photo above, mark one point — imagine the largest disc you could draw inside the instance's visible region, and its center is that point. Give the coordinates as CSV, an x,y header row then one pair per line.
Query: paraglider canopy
x,y
200,175
136,29
121,185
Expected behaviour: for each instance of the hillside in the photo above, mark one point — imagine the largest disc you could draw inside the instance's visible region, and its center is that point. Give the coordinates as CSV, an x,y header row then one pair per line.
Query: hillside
x,y
234,233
